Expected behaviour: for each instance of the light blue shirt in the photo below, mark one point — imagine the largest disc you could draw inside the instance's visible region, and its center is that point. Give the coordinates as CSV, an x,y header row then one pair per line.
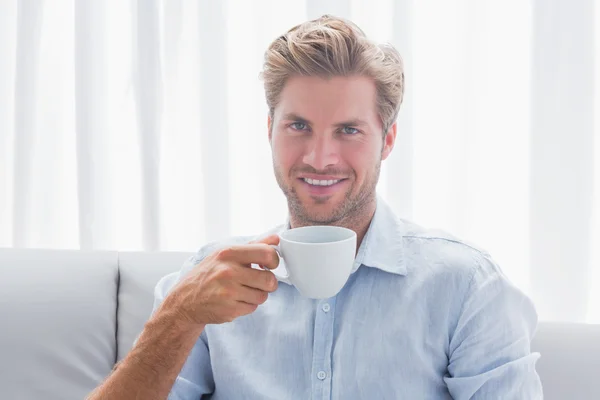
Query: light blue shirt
x,y
423,316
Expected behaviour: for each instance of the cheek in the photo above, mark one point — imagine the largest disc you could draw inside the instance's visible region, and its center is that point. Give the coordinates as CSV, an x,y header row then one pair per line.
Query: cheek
x,y
362,159
285,153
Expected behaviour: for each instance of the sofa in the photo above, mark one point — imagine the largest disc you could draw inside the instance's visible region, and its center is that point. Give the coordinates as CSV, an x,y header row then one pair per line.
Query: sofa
x,y
67,316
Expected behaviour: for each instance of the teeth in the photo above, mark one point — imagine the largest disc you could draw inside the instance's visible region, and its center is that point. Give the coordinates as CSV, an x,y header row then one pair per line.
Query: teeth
x,y
317,182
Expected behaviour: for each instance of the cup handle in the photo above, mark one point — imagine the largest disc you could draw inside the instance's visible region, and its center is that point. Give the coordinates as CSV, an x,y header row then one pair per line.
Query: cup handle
x,y
278,250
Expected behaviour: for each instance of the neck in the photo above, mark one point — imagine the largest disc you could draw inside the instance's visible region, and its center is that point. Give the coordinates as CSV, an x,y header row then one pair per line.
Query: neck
x,y
358,220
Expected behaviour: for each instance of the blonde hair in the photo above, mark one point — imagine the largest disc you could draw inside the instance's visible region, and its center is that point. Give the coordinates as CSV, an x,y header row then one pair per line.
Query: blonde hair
x,y
331,46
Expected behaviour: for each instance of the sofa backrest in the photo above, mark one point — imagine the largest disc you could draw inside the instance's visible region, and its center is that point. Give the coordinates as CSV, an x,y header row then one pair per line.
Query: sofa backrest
x,y
139,272
569,365
57,322
66,316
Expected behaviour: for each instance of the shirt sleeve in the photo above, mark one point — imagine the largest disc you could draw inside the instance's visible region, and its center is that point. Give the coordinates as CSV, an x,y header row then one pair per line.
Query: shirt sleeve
x,y
489,351
195,378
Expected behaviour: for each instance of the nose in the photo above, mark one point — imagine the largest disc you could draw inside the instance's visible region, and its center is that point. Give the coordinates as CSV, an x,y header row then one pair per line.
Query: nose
x,y
322,152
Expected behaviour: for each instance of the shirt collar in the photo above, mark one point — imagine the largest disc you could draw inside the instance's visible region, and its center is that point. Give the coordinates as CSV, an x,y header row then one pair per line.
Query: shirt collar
x,y
382,246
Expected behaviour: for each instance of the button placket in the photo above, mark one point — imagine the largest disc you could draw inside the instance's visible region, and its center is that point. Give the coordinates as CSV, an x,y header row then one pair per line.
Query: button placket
x,y
323,343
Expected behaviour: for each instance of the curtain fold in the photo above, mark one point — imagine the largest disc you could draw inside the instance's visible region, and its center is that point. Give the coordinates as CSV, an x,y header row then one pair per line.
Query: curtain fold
x,y
141,125
399,168
91,128
214,160
29,18
562,155
148,87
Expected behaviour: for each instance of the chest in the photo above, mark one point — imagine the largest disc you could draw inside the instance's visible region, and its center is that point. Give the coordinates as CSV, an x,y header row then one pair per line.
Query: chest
x,y
370,341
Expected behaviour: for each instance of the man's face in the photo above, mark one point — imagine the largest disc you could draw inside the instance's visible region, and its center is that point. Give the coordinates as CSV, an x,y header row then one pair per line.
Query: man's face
x,y
327,142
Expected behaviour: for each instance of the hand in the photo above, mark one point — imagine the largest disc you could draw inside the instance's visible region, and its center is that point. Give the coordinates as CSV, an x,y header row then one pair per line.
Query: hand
x,y
223,286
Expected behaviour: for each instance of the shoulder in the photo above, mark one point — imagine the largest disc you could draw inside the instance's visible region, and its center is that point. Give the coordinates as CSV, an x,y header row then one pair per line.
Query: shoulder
x,y
459,274
444,254
418,236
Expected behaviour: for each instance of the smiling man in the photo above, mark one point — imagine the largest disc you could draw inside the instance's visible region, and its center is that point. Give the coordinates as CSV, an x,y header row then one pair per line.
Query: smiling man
x,y
422,316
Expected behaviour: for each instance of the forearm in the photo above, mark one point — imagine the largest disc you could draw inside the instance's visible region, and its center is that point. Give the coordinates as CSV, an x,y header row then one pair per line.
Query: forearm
x,y
151,367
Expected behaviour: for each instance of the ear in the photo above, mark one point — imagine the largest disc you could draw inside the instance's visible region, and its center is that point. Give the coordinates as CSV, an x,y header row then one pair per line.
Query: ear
x,y
270,126
388,141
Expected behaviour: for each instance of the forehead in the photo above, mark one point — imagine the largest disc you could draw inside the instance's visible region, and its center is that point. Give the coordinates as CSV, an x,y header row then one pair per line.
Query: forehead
x,y
329,100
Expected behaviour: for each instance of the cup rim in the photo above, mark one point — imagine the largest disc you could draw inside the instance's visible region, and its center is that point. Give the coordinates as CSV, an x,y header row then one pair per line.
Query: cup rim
x,y
352,234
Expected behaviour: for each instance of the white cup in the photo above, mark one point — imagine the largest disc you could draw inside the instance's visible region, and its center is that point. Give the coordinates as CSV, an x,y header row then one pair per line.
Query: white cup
x,y
318,259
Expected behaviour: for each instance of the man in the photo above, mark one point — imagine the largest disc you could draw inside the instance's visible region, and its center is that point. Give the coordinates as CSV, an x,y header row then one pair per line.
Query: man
x,y
423,315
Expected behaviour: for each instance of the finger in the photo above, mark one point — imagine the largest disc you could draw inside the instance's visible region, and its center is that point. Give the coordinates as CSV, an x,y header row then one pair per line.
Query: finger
x,y
257,279
251,295
254,253
271,239
242,308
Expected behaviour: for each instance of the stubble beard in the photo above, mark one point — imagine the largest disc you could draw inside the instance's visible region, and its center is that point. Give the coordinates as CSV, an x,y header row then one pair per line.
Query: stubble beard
x,y
349,213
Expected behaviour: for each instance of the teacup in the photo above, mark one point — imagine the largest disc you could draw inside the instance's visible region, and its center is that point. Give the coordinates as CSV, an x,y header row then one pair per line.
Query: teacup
x,y
318,259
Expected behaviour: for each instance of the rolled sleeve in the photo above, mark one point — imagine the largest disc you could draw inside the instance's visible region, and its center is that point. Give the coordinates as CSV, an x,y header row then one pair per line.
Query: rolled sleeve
x,y
489,352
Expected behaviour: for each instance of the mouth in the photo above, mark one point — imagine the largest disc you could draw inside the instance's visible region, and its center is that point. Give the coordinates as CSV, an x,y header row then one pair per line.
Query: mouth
x,y
322,187
321,182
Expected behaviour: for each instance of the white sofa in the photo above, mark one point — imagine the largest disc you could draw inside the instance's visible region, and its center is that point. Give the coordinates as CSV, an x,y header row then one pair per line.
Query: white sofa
x,y
66,317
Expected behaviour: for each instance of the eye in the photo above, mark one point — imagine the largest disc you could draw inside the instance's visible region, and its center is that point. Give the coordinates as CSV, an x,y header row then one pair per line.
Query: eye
x,y
348,130
299,126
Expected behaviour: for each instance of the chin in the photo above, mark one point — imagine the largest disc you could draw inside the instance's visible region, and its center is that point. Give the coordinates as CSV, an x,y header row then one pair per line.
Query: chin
x,y
319,219
317,210
320,213
321,205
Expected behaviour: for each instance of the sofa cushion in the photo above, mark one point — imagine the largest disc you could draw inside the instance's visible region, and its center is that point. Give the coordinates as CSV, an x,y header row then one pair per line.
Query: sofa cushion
x,y
570,360
139,272
58,313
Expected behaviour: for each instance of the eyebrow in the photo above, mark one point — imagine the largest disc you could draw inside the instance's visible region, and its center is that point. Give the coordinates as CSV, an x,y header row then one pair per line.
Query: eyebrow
x,y
295,117
350,122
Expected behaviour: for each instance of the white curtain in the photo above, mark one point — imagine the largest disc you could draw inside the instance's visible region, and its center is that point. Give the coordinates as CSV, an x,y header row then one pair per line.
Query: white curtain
x,y
141,125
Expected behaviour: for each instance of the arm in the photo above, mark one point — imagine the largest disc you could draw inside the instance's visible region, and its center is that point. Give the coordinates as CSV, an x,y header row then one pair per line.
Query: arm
x,y
151,367
489,352
219,289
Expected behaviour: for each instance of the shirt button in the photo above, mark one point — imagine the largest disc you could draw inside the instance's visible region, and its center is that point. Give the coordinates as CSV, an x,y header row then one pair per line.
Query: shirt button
x,y
321,375
326,307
